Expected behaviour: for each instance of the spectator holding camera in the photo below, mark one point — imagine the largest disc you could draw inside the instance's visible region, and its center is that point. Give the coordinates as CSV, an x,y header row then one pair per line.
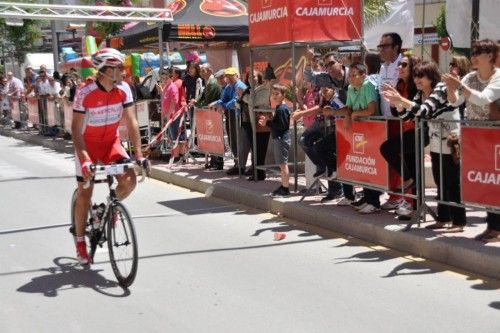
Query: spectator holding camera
x,y
335,77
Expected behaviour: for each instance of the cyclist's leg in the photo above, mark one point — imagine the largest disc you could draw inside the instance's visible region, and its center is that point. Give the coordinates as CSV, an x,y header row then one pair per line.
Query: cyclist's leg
x,y
83,197
82,206
82,203
127,181
126,184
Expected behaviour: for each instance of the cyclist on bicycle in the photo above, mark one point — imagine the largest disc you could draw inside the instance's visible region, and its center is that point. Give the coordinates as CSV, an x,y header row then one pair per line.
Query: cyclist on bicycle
x,y
97,110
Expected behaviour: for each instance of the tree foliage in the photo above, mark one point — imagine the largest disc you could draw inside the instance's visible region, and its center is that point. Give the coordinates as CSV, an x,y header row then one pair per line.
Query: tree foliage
x,y
442,32
22,38
104,29
440,24
374,10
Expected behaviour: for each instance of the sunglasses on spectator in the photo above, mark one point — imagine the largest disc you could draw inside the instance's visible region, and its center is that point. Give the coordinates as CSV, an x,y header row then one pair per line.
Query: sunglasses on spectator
x,y
419,75
384,46
403,64
331,63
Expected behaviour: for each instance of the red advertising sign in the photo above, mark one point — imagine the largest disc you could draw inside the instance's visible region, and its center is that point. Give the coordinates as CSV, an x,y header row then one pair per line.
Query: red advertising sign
x,y
68,115
15,112
480,166
326,20
281,21
269,21
33,111
358,153
209,131
51,113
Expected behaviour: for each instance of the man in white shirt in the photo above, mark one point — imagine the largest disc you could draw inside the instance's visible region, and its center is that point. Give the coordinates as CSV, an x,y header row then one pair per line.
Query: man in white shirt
x,y
14,86
390,55
43,85
55,88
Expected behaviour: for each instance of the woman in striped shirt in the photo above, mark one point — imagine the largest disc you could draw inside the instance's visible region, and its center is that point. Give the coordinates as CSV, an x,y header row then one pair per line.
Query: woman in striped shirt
x,y
431,102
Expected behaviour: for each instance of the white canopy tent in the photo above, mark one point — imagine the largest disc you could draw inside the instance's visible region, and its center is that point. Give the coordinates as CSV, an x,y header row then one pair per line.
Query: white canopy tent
x,y
400,19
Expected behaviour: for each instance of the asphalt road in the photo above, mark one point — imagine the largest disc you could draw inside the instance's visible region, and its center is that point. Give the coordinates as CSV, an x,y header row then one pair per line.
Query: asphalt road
x,y
208,265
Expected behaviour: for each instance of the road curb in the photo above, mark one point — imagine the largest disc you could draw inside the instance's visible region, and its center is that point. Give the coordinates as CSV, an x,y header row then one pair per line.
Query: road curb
x,y
465,254
473,256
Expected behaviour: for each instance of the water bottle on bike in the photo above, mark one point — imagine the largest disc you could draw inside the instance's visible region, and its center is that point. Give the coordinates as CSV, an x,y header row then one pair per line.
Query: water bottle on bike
x,y
95,219
97,214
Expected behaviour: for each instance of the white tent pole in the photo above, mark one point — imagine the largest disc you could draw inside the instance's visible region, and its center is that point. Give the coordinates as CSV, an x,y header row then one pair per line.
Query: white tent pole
x,y
423,28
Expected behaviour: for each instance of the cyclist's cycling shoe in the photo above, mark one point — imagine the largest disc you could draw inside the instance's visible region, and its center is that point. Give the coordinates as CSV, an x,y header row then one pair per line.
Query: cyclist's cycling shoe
x,y
81,253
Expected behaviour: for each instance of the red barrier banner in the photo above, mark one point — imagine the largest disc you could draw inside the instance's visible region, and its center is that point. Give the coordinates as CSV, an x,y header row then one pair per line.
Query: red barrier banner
x,y
480,166
209,131
15,112
51,113
68,115
281,21
358,153
33,111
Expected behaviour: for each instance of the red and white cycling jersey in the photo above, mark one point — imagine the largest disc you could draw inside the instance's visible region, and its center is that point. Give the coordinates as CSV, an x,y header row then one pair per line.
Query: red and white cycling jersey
x,y
103,110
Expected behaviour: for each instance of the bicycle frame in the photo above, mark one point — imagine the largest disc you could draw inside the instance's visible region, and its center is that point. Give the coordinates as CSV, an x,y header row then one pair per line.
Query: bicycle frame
x,y
110,171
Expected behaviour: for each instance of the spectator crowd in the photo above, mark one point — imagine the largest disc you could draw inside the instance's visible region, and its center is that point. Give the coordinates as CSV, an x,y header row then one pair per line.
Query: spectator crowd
x,y
388,83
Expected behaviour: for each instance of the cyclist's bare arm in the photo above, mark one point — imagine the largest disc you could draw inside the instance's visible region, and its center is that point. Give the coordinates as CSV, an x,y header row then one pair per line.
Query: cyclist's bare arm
x,y
76,133
133,130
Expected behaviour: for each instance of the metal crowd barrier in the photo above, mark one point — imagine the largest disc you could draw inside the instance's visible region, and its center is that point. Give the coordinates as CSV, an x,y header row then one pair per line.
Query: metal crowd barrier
x,y
42,113
479,167
292,161
360,163
209,135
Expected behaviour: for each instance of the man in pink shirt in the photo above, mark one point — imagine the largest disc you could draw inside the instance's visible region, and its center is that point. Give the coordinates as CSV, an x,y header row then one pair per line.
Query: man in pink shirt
x,y
170,101
171,105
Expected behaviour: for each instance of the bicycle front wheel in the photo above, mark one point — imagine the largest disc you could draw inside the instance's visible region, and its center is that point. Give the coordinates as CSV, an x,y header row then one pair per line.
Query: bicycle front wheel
x,y
122,244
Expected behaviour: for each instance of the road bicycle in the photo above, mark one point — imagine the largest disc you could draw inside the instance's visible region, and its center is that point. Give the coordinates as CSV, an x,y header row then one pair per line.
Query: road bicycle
x,y
113,225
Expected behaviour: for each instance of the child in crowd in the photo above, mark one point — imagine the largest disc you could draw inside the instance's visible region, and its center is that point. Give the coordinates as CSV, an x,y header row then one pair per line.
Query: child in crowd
x,y
279,124
362,101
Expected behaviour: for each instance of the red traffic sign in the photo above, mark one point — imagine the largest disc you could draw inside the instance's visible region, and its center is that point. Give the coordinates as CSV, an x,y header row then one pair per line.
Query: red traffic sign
x,y
445,43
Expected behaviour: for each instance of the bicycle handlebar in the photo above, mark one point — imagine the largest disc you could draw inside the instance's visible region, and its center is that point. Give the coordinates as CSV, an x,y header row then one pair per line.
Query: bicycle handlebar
x,y
115,169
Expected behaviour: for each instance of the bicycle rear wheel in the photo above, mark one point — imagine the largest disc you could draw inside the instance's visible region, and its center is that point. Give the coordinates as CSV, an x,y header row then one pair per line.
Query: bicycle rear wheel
x,y
122,244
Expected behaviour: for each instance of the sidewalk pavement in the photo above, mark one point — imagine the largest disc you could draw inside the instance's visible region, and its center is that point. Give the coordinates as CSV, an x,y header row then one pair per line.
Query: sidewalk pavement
x,y
459,249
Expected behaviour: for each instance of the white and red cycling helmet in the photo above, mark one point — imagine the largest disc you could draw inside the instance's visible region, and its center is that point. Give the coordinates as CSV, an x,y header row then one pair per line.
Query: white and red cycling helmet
x,y
107,57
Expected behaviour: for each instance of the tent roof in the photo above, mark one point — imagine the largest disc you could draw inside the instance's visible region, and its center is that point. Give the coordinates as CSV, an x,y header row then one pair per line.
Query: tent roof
x,y
194,21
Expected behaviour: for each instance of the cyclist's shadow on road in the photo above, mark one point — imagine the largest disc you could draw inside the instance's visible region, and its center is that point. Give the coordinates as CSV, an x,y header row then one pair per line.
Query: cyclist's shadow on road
x,y
68,274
